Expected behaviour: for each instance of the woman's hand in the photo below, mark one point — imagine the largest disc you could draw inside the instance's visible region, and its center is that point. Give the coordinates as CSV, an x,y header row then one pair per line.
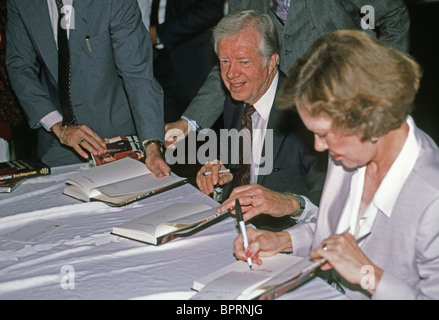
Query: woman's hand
x,y
262,244
342,253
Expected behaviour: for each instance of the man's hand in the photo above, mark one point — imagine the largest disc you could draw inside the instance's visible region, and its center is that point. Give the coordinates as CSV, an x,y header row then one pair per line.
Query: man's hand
x,y
207,183
153,35
155,162
81,138
176,131
256,199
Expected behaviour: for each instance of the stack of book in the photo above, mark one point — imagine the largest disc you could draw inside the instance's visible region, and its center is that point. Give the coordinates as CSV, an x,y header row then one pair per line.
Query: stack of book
x,y
14,172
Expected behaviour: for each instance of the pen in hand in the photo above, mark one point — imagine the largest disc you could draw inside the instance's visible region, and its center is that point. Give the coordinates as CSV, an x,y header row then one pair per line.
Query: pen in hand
x,y
87,41
241,224
208,173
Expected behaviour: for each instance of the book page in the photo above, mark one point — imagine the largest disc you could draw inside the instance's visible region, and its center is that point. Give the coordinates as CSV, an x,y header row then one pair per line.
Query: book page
x,y
271,268
202,216
141,184
119,170
229,286
150,223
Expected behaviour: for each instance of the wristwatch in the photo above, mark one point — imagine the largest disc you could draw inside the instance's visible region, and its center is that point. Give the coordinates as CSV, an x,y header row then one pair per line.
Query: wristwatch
x,y
158,143
301,203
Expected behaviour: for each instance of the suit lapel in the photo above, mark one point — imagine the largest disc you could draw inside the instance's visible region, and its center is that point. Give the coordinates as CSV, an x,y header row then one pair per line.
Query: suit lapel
x,y
77,42
43,33
276,116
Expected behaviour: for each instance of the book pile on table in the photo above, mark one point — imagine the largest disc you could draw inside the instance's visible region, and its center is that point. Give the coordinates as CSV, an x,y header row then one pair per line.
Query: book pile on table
x,y
14,172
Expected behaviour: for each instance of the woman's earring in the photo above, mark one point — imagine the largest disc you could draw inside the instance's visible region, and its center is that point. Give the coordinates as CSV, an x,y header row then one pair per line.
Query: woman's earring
x,y
374,139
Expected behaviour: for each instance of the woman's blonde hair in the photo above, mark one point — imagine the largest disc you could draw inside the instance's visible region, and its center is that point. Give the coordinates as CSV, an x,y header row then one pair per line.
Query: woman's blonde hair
x,y
364,86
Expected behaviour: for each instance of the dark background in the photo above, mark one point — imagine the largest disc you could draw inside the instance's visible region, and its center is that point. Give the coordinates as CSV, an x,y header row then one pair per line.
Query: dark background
x,y
424,48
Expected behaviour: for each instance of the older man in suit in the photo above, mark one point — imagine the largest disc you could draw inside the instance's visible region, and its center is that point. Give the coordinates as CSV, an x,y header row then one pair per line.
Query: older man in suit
x,y
247,47
112,88
305,21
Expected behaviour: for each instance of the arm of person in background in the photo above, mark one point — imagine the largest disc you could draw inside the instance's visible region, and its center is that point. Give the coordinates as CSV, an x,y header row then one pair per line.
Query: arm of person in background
x,y
203,111
392,21
133,56
197,18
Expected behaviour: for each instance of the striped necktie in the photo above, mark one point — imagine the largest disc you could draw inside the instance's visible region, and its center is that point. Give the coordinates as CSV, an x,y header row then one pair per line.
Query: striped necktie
x,y
64,70
280,9
245,150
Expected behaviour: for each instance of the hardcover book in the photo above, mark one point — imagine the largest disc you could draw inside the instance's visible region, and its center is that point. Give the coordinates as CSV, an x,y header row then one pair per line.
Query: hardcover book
x,y
276,276
9,185
163,225
22,168
118,148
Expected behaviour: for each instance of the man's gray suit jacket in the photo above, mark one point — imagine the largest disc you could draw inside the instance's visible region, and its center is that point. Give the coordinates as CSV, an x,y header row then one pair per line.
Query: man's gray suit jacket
x,y
112,85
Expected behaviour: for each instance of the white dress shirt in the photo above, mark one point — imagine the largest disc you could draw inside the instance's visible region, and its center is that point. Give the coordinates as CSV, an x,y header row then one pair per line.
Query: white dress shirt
x,y
387,193
259,126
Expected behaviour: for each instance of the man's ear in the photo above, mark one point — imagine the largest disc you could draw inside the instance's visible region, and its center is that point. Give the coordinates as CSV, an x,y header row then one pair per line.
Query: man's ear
x,y
273,61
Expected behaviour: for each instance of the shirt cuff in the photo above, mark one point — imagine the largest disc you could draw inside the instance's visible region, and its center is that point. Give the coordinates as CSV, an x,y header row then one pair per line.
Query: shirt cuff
x,y
192,124
309,213
50,119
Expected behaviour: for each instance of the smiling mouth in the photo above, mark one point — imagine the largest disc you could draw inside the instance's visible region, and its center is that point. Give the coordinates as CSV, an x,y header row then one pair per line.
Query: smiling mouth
x,y
237,85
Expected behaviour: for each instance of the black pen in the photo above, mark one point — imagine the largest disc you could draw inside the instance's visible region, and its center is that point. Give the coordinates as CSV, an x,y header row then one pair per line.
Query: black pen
x,y
241,224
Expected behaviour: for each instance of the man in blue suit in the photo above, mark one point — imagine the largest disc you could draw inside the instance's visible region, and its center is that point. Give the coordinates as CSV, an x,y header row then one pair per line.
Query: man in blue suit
x,y
113,91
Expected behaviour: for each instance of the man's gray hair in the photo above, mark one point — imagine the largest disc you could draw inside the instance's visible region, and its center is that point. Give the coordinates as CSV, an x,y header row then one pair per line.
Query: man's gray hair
x,y
240,20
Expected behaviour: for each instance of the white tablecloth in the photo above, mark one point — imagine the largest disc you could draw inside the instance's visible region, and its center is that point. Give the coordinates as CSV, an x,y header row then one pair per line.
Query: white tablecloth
x,y
83,260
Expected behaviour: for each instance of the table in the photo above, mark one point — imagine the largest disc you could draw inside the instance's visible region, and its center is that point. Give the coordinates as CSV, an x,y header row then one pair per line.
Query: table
x,y
82,260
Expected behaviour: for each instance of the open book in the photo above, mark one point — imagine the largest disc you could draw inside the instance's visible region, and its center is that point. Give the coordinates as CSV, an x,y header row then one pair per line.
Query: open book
x,y
163,225
277,275
118,183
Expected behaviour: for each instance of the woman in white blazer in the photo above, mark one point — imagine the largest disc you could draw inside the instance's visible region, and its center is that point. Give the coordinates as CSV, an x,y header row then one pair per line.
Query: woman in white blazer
x,y
355,94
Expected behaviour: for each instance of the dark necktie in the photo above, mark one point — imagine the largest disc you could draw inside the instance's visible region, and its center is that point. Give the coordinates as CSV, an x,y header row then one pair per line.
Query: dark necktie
x,y
154,16
245,150
64,70
280,9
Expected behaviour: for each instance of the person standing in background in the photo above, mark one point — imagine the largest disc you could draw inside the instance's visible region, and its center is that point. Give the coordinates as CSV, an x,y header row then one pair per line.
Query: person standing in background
x,y
108,87
10,112
183,53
